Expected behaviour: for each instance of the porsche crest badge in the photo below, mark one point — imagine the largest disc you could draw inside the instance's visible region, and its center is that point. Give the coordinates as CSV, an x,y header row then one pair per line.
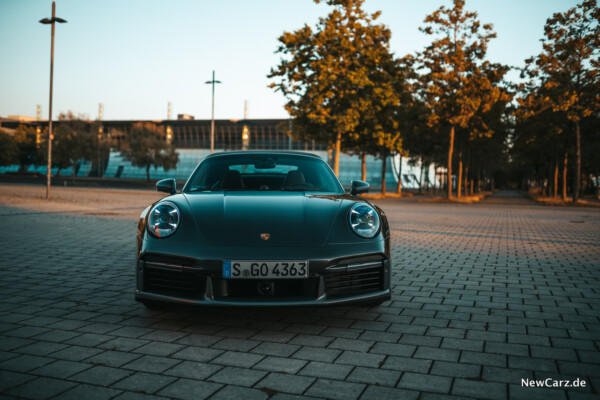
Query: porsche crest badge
x,y
265,236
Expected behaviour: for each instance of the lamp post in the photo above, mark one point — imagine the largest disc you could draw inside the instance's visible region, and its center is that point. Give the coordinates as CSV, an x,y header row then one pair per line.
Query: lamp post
x,y
212,122
51,22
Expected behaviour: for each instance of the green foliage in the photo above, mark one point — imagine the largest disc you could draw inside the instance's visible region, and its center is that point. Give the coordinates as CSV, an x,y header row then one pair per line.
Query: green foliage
x,y
29,154
564,79
74,140
9,150
339,80
458,86
145,145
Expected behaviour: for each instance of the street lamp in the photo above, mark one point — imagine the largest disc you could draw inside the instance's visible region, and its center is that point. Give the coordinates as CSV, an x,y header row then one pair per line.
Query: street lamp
x,y
212,122
51,22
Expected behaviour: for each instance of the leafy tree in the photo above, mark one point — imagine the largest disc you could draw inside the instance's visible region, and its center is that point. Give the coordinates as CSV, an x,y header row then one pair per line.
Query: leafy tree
x,y
567,71
145,145
27,141
74,141
9,150
455,84
336,77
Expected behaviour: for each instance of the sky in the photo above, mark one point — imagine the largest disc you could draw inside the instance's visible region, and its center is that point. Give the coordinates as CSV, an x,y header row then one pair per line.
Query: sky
x,y
135,56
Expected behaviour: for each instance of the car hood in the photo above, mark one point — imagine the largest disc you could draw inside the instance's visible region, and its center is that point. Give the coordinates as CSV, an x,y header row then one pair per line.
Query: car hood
x,y
244,219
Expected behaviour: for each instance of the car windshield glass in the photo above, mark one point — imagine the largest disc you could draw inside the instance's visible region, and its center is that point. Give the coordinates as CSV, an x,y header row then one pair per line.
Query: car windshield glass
x,y
264,172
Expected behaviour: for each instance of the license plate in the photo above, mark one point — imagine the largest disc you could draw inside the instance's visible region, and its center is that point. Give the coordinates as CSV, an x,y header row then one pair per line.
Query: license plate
x,y
265,269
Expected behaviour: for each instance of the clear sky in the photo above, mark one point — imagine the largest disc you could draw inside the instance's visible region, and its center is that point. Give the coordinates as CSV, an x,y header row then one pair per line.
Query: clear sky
x,y
135,56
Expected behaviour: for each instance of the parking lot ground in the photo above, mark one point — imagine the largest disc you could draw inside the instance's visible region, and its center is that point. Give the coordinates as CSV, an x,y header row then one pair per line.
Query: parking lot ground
x,y
488,300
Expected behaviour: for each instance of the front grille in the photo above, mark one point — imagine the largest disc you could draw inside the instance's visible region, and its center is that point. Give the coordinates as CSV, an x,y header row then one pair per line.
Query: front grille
x,y
354,278
173,281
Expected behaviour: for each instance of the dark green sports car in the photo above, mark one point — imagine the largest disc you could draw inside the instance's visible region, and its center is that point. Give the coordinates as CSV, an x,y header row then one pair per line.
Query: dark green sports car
x,y
263,228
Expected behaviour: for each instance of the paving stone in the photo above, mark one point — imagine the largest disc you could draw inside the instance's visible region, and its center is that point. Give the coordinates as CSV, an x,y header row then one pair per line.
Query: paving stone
x,y
111,358
425,383
317,354
89,392
335,389
505,375
197,354
61,369
24,363
285,383
479,389
101,376
236,392
387,393
279,364
452,369
193,370
407,364
374,376
276,349
159,349
41,388
190,389
9,379
326,370
151,364
431,353
142,382
361,359
238,359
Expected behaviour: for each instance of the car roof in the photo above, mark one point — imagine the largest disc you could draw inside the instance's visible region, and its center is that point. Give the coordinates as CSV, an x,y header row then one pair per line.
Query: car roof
x,y
262,152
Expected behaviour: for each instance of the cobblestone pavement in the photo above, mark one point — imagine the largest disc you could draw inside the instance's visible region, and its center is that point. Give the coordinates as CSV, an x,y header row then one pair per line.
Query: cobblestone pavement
x,y
484,296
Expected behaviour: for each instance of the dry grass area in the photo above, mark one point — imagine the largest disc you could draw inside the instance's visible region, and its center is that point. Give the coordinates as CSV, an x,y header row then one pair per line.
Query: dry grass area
x,y
461,200
557,201
380,196
105,203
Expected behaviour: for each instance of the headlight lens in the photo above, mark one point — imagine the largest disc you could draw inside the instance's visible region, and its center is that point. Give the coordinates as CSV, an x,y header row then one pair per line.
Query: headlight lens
x,y
163,220
364,220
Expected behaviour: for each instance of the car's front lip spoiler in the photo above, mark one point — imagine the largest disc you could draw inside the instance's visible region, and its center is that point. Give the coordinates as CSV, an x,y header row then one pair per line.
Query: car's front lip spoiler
x,y
323,301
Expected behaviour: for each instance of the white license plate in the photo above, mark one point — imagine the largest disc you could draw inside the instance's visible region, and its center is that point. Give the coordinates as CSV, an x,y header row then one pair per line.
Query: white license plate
x,y
265,269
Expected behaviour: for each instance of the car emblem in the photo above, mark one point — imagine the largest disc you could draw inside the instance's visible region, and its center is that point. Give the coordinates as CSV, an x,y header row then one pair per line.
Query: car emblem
x,y
265,236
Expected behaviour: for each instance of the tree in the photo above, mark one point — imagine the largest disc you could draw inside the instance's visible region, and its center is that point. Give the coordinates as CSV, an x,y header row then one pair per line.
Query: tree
x,y
567,71
455,84
9,150
74,141
145,145
28,141
336,77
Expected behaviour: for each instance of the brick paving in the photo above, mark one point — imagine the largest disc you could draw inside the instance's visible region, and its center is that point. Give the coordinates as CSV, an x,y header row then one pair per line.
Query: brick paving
x,y
484,296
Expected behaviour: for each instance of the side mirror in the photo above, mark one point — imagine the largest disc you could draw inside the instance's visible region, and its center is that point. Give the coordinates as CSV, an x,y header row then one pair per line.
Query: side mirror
x,y
359,187
167,186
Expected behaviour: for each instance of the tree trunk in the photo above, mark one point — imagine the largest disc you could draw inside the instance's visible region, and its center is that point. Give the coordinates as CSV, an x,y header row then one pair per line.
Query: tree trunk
x,y
466,181
338,145
577,185
564,177
421,177
450,149
556,180
148,172
399,188
383,171
460,173
363,162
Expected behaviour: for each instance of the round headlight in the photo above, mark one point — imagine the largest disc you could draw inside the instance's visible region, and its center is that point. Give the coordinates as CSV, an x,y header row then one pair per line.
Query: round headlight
x,y
164,219
364,220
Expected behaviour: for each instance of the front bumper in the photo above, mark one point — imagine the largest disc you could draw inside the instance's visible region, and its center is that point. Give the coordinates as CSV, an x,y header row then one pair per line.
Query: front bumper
x,y
361,277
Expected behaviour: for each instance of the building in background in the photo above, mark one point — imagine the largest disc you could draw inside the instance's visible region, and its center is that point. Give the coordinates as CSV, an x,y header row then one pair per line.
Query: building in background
x,y
191,138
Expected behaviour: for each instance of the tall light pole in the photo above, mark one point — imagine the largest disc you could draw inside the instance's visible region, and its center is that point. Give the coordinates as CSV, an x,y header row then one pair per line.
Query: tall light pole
x,y
212,122
51,22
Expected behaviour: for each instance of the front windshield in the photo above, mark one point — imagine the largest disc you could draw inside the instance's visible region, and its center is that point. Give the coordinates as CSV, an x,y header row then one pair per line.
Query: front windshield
x,y
264,172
